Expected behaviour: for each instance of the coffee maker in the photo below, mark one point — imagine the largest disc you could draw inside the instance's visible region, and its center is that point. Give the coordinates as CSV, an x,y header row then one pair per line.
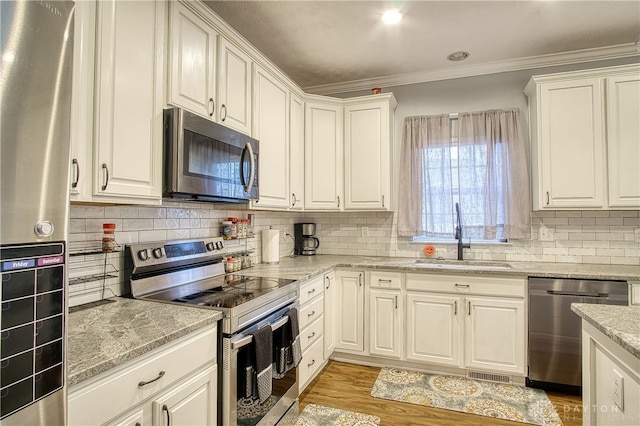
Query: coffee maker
x,y
305,241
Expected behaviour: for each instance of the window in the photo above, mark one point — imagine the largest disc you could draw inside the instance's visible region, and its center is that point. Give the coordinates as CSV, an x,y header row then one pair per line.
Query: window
x,y
476,160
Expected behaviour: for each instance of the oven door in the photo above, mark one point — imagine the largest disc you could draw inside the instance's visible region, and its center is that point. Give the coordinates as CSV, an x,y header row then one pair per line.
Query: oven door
x,y
206,160
240,410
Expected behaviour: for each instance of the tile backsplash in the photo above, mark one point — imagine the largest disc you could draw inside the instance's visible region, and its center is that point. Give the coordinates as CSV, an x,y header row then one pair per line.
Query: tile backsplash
x,y
605,237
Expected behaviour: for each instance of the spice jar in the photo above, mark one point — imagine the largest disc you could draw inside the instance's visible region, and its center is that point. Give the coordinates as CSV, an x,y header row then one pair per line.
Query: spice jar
x,y
237,264
108,237
228,266
226,229
234,227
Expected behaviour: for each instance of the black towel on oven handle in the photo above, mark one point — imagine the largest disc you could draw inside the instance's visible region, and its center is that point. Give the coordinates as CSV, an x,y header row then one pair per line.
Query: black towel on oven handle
x,y
296,350
288,351
262,346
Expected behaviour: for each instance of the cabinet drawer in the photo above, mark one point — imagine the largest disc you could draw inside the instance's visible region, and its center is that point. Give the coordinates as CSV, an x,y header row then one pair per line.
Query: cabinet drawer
x,y
310,312
117,390
385,280
467,284
311,362
311,333
310,290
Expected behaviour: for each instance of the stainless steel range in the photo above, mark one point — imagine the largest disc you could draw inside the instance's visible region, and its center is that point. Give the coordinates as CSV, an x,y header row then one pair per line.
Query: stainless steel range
x,y
191,272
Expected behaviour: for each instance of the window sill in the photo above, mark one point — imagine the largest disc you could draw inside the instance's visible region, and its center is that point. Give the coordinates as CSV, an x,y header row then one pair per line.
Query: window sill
x,y
474,243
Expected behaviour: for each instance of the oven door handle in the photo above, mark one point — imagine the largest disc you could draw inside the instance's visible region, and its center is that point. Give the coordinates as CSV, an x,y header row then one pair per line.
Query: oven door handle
x,y
242,340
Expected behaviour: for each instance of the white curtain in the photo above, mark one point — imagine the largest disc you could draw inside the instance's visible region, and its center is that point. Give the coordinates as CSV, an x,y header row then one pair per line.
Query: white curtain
x,y
490,181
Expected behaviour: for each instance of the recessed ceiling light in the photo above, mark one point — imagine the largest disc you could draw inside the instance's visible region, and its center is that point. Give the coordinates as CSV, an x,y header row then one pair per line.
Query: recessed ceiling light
x,y
391,17
458,56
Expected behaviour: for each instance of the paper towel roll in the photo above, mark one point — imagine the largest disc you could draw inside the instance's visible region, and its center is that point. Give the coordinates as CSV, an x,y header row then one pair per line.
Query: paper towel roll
x,y
270,246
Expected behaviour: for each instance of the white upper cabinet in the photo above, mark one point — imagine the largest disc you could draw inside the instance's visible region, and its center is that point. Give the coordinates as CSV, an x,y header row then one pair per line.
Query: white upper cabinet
x,y
271,128
368,127
128,100
82,101
323,154
192,62
234,87
296,152
578,120
623,136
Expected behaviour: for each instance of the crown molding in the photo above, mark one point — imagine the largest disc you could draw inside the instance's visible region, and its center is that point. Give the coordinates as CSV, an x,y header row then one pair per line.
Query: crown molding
x,y
555,59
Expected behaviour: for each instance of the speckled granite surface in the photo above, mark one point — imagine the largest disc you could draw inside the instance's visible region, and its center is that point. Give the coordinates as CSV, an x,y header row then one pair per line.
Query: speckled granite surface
x,y
303,267
107,335
620,323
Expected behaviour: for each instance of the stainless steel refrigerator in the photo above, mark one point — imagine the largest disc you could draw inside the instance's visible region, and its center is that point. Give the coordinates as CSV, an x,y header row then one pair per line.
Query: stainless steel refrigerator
x,y
36,38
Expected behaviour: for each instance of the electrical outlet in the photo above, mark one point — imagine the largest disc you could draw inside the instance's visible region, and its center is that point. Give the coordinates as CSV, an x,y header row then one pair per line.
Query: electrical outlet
x,y
364,231
618,390
636,233
545,234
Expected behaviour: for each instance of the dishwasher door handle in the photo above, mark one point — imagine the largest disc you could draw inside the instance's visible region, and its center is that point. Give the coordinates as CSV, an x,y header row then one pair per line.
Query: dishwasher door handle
x,y
576,293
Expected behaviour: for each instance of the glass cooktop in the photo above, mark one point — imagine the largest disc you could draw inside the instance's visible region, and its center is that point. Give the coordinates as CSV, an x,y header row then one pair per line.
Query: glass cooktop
x,y
226,291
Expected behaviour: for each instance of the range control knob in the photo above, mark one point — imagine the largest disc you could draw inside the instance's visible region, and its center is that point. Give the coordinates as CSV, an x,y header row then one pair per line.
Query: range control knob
x,y
143,254
157,252
211,246
219,245
44,228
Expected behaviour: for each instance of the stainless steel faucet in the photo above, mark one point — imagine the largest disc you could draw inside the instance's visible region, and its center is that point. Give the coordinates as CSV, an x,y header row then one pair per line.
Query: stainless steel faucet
x,y
458,234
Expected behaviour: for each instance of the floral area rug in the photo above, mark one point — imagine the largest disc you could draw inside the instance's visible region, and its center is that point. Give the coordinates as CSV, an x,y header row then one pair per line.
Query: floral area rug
x,y
318,415
497,400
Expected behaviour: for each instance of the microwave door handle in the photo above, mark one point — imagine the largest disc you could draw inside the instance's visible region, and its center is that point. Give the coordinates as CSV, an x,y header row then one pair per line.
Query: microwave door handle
x,y
247,185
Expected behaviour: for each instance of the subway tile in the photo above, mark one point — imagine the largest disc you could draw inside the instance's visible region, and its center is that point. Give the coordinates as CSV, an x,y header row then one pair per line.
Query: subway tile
x,y
148,236
624,213
609,237
568,214
136,224
568,259
86,212
582,221
595,213
584,236
152,212
166,224
609,221
631,221
128,212
596,244
625,260
177,213
556,221
610,252
602,260
77,226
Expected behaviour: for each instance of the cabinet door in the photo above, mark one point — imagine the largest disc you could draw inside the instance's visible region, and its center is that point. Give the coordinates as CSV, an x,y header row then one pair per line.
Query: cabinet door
x,y
329,314
296,152
350,311
128,114
234,87
192,402
82,101
385,323
271,128
192,62
366,156
139,416
623,140
323,156
495,335
434,329
572,133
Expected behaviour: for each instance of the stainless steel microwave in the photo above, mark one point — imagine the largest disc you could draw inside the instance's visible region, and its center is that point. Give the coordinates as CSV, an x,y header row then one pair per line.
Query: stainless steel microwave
x,y
206,161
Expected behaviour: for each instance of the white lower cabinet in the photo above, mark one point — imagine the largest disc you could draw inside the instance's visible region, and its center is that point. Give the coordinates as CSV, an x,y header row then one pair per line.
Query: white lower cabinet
x,y
174,384
350,311
495,334
434,329
311,323
471,327
385,314
191,403
330,313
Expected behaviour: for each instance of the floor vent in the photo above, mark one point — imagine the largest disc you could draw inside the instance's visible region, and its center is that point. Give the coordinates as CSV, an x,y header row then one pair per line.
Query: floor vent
x,y
487,376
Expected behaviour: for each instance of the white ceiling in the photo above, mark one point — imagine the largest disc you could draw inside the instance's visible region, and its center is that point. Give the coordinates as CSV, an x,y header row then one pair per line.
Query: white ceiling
x,y
339,46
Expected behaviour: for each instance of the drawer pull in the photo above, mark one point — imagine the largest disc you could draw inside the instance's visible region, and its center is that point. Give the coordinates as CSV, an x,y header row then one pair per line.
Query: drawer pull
x,y
313,290
462,285
311,314
143,383
380,280
312,362
165,409
312,335
138,424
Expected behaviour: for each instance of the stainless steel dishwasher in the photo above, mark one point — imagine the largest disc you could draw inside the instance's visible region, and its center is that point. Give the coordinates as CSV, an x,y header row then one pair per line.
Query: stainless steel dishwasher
x,y
555,356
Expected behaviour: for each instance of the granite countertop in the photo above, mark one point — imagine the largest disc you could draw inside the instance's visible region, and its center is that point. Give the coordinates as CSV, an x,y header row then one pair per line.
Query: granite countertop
x,y
303,267
104,335
619,323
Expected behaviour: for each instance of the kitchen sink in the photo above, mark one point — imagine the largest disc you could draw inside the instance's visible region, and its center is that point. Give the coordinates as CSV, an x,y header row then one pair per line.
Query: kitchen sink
x,y
461,264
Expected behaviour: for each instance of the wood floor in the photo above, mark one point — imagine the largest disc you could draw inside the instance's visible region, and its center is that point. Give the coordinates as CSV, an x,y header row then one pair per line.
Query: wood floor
x,y
348,386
